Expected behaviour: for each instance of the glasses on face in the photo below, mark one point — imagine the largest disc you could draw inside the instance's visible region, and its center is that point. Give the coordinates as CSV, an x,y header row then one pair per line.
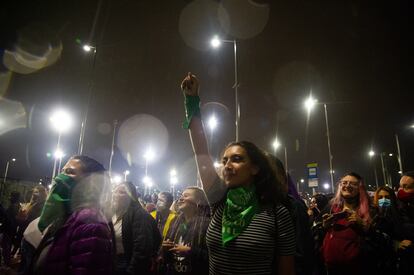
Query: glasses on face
x,y
348,182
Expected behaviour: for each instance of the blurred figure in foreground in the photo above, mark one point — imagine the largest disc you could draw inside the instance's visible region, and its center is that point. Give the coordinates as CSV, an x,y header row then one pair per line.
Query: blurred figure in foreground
x,y
77,237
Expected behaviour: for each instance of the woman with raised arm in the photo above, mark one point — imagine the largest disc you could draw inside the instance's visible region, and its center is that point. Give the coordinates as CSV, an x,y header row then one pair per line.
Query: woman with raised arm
x,y
250,232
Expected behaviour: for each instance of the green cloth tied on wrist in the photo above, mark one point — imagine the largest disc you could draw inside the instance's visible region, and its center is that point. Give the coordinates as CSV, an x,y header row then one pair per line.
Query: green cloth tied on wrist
x,y
192,108
58,203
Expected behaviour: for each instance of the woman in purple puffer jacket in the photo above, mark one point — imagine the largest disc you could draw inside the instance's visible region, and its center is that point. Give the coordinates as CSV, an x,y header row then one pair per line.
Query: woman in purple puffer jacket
x,y
77,237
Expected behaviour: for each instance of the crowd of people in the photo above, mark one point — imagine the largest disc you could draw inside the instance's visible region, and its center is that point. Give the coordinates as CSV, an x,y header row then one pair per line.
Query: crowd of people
x,y
247,218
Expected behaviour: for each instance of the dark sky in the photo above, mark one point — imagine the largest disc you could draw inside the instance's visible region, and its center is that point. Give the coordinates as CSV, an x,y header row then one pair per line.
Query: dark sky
x,y
354,55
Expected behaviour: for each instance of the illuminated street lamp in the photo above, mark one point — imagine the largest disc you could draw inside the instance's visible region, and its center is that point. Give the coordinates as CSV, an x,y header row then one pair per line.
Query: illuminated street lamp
x,y
212,123
61,121
173,180
59,155
215,43
310,103
148,156
126,173
6,171
148,184
276,144
116,179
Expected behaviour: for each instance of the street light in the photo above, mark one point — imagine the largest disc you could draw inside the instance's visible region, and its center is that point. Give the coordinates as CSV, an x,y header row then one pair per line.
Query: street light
x,y
6,171
87,48
173,180
126,173
212,123
276,144
148,184
148,156
61,121
116,179
309,105
215,43
59,155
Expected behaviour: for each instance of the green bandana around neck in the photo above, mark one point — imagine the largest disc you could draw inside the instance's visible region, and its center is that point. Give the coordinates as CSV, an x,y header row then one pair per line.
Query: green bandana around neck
x,y
57,204
239,210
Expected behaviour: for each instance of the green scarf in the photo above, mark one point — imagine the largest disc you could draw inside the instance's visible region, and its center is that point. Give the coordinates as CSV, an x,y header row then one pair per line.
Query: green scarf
x,y
58,202
192,108
241,206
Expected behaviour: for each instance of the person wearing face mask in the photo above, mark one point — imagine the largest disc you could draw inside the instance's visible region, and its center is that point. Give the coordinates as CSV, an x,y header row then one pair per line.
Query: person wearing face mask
x,y
185,250
163,215
77,237
389,222
405,197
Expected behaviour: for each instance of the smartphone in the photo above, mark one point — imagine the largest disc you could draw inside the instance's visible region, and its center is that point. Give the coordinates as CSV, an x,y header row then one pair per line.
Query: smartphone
x,y
340,215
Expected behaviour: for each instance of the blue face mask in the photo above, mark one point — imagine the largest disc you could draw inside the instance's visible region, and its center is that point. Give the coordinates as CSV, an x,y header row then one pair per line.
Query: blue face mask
x,y
384,202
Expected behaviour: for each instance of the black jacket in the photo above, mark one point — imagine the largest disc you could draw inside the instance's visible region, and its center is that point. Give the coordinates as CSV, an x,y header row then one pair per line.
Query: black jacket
x,y
140,239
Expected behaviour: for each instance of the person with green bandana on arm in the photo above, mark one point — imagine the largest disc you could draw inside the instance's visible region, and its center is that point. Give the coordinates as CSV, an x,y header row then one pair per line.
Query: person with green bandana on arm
x,y
250,231
77,237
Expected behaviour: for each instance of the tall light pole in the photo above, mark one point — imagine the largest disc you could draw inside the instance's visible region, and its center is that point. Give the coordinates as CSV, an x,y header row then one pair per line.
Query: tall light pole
x,y
6,171
87,48
126,173
215,43
276,145
173,180
371,154
61,121
212,125
309,105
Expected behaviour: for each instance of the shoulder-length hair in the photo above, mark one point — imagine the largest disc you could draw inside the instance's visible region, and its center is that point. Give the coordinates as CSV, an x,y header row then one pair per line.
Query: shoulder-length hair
x,y
363,198
268,186
387,189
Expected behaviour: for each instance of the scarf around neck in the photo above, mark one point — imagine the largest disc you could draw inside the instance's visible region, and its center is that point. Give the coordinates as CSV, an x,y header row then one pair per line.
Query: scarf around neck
x,y
58,203
240,207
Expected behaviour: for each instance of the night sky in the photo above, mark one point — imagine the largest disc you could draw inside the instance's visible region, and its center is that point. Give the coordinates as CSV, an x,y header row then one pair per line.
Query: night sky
x,y
353,55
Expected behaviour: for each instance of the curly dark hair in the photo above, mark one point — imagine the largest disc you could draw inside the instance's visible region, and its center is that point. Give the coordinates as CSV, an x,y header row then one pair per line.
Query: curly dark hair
x,y
268,187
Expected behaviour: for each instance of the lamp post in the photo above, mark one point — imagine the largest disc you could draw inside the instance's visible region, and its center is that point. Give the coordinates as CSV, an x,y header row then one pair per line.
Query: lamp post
x,y
61,121
87,48
371,154
173,180
6,171
215,43
126,173
309,105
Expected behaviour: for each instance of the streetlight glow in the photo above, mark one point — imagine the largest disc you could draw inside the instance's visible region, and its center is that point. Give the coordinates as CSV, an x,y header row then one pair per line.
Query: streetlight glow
x,y
371,153
149,155
117,179
147,181
326,186
302,180
61,120
215,42
87,48
390,154
173,173
310,103
276,144
212,122
59,154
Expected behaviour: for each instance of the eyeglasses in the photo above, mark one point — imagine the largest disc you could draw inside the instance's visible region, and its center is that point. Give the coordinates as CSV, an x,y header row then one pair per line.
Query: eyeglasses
x,y
347,182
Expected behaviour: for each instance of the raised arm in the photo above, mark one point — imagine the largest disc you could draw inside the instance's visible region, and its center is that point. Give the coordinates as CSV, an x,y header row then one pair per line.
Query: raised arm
x,y
205,166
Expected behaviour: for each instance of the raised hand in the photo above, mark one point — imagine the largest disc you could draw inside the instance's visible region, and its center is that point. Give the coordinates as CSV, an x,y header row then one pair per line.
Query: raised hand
x,y
190,85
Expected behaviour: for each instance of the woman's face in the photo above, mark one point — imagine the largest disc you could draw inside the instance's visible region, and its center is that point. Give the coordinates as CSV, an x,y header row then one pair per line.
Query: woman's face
x,y
35,195
187,200
383,194
73,168
238,170
120,198
349,187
